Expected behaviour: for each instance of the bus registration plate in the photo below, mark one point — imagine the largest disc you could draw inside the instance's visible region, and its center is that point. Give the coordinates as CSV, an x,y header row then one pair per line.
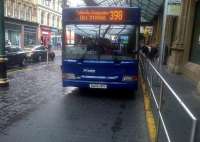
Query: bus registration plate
x,y
98,86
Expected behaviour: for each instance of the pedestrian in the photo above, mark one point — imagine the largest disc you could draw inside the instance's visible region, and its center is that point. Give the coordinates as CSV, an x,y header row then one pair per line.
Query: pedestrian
x,y
151,51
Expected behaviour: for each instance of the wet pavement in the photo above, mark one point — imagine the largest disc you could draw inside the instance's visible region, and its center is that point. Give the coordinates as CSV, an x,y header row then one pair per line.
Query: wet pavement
x,y
36,108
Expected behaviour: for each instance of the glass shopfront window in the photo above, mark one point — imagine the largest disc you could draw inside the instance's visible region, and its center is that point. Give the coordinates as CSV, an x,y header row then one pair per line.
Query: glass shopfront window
x,y
29,38
14,37
195,52
29,35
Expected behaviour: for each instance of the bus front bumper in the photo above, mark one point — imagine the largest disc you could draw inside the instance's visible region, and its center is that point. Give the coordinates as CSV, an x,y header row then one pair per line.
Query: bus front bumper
x,y
133,85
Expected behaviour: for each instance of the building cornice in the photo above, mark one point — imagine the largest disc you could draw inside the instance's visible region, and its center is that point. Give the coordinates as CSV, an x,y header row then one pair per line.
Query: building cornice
x,y
18,21
29,3
48,9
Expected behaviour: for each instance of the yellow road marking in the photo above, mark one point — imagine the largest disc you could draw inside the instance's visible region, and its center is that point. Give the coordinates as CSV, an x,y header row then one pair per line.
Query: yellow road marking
x,y
148,112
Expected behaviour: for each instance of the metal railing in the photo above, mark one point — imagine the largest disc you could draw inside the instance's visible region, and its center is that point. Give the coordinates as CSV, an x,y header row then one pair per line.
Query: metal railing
x,y
150,74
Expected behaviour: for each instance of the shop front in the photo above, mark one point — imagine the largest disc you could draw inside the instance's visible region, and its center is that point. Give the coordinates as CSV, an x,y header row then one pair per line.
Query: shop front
x,y
20,33
30,35
45,35
13,33
55,38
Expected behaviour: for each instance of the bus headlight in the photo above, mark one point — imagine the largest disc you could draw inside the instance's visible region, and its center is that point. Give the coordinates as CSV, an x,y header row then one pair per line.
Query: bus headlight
x,y
68,76
129,78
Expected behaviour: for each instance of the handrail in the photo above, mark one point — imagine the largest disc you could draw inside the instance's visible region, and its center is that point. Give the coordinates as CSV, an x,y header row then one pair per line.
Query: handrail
x,y
173,92
164,83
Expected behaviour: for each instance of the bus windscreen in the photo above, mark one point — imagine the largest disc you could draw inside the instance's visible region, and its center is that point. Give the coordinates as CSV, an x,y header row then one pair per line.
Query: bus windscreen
x,y
98,42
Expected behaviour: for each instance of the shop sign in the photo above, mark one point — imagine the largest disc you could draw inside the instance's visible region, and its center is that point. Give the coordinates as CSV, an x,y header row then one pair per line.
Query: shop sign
x,y
30,29
45,28
174,7
54,30
45,33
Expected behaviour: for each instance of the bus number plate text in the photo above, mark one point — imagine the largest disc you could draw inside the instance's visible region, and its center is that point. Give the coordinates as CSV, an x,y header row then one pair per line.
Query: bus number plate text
x,y
98,86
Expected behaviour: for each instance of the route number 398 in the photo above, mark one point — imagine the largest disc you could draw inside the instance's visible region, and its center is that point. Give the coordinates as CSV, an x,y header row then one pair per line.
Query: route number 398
x,y
116,15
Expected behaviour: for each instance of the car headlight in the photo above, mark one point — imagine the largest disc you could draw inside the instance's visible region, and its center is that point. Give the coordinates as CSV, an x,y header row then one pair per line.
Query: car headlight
x,y
129,78
68,76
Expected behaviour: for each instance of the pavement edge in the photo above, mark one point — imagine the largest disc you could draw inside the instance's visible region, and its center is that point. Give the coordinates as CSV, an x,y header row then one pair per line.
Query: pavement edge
x,y
150,120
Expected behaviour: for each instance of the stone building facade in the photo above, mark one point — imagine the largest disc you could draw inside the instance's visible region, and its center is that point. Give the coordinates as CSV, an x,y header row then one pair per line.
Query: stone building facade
x,y
21,22
183,40
32,22
49,19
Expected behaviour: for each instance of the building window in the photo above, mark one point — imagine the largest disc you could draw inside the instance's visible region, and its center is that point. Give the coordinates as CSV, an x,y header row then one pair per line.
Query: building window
x,y
28,13
54,4
195,51
34,15
48,19
22,12
16,10
10,8
5,8
58,6
58,22
47,2
29,35
43,2
53,21
14,37
42,17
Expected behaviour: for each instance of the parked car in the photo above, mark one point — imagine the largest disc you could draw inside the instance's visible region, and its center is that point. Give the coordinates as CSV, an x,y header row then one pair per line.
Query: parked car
x,y
38,53
16,56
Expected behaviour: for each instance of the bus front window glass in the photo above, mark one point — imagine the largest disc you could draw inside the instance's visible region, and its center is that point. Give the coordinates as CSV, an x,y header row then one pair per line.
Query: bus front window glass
x,y
98,42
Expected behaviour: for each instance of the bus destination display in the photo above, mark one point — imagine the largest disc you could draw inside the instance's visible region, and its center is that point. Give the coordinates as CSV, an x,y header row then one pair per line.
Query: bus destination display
x,y
101,15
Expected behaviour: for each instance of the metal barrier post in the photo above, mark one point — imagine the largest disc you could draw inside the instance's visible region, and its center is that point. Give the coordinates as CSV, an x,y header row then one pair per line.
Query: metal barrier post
x,y
147,69
162,44
159,110
193,131
151,78
149,72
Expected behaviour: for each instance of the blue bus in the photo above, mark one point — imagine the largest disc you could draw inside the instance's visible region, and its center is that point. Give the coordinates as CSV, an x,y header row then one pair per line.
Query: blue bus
x,y
93,52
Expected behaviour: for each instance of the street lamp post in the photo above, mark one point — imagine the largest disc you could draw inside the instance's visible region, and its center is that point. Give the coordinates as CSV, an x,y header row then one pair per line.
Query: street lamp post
x,y
3,70
64,38
162,44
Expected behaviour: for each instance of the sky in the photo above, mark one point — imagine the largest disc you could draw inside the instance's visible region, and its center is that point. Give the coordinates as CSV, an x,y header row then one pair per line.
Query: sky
x,y
76,3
